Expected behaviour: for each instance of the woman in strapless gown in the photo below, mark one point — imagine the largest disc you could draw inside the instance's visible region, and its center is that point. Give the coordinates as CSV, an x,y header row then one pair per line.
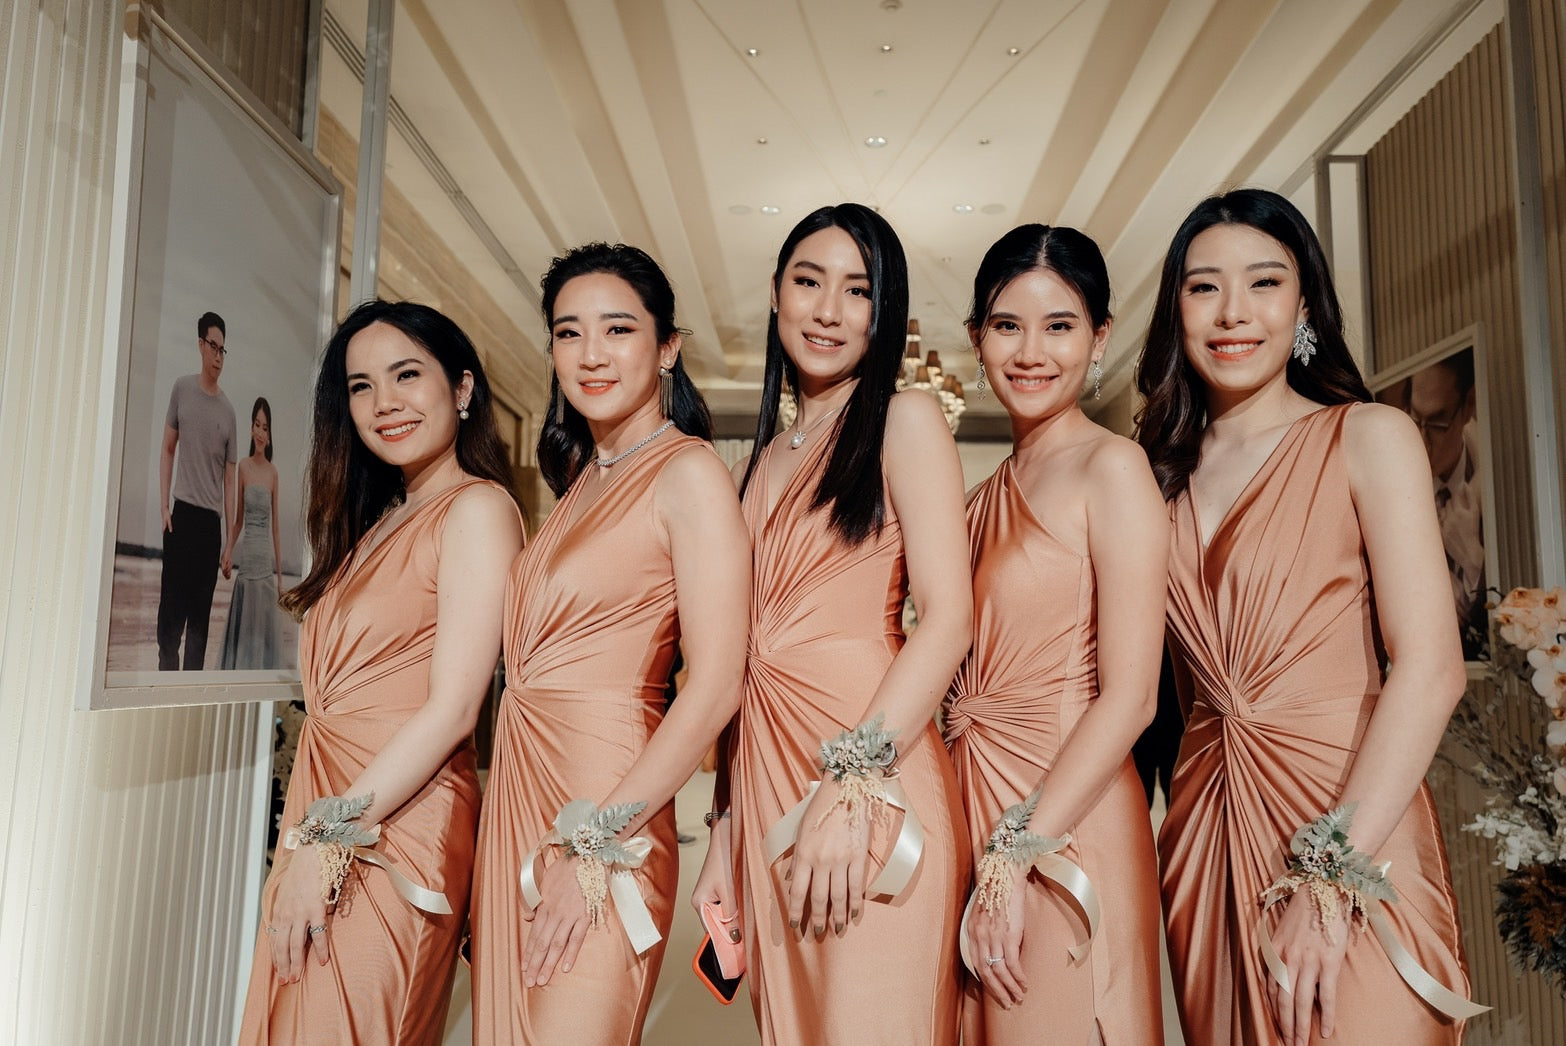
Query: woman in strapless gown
x,y
1311,625
850,924
1069,545
644,551
252,637
411,522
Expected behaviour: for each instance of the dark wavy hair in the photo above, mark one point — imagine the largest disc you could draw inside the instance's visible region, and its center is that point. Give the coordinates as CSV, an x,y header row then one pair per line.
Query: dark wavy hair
x,y
1174,413
348,487
564,447
851,485
1067,252
262,407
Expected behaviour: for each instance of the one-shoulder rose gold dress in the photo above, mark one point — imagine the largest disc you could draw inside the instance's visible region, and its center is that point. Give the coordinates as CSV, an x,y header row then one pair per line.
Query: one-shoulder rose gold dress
x,y
1274,622
365,648
1030,677
591,631
826,621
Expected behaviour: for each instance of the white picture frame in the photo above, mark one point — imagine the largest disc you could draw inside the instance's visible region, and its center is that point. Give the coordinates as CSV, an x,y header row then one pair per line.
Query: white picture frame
x,y
217,207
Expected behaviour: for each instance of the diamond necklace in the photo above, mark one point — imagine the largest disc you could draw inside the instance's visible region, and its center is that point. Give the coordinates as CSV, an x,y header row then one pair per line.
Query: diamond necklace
x,y
604,463
797,440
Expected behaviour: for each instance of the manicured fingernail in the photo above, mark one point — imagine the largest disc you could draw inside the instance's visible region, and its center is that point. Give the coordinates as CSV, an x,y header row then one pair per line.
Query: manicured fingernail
x,y
839,927
734,935
793,924
565,967
857,913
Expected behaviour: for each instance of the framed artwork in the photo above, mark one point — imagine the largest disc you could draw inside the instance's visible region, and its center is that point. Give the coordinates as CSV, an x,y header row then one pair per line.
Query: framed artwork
x,y
1445,391
221,293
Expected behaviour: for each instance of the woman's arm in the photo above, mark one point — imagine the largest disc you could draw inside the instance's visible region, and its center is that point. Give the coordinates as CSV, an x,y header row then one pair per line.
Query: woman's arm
x,y
236,510
277,542
482,535
1389,477
710,548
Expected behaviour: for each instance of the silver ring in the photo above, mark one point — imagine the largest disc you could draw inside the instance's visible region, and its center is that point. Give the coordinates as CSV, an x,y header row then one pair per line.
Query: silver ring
x,y
317,929
994,960
271,929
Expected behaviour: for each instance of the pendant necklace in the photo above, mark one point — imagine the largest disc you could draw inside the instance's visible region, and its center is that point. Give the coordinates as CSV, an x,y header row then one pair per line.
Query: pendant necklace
x,y
797,440
604,463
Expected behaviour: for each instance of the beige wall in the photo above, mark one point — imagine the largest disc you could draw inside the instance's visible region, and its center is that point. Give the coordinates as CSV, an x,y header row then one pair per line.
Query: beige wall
x,y
124,860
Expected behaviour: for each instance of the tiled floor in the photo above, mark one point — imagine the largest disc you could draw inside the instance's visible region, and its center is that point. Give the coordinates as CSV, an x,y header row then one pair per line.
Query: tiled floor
x,y
683,1012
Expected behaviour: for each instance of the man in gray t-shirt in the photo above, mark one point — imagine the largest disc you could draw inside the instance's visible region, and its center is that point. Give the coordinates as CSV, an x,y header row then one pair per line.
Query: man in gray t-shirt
x,y
200,427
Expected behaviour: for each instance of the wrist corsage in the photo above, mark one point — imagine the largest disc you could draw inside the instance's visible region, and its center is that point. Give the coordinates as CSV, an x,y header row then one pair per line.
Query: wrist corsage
x,y
1324,862
858,760
328,826
1011,846
589,834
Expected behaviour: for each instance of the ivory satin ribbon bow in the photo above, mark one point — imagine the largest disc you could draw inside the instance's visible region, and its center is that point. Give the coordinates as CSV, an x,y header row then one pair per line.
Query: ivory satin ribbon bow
x,y
1070,877
900,864
1414,975
628,902
421,897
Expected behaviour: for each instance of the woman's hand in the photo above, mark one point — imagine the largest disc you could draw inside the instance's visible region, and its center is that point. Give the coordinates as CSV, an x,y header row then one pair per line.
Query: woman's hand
x,y
829,864
999,935
715,883
1314,962
297,907
226,565
559,924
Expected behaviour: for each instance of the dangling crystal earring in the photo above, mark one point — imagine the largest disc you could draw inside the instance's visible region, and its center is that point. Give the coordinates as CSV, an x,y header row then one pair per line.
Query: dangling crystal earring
x,y
1098,379
666,391
559,404
980,383
1304,343
462,411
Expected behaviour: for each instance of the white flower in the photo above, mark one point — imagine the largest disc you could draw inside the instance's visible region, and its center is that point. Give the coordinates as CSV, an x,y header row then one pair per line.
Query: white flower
x,y
1555,735
1559,779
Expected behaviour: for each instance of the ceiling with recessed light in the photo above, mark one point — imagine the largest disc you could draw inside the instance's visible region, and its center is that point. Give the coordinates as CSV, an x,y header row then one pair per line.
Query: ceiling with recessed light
x,y
702,129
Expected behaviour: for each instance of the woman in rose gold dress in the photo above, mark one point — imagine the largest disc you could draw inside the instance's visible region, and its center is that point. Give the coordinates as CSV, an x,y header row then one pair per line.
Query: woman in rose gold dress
x,y
1069,545
853,506
410,521
645,550
1305,559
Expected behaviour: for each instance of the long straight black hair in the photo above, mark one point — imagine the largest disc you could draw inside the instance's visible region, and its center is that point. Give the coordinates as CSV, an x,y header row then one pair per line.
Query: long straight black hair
x,y
564,446
851,485
347,486
1174,413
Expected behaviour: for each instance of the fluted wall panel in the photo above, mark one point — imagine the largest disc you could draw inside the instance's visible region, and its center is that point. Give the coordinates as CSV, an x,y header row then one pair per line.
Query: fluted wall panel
x,y
126,849
262,42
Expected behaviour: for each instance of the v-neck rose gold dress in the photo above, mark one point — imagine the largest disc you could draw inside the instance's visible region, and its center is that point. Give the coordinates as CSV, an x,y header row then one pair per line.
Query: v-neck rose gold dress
x,y
826,621
1030,677
365,648
591,630
1275,623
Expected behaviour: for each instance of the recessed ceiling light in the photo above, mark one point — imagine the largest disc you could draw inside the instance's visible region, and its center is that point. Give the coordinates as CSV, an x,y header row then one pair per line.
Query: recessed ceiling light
x,y
994,208
761,141
739,208
767,208
1013,51
984,141
963,208
754,52
886,48
875,141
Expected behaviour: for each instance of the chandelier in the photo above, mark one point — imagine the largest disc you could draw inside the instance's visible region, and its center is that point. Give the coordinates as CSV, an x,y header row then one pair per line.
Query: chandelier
x,y
927,375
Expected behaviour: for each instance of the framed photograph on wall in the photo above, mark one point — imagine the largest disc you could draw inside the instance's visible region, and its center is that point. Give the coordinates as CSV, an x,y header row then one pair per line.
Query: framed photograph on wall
x,y
1445,391
221,295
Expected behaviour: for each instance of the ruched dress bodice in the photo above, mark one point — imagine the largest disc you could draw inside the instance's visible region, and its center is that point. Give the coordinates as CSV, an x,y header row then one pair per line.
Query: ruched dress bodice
x,y
826,622
1273,629
591,632
1031,675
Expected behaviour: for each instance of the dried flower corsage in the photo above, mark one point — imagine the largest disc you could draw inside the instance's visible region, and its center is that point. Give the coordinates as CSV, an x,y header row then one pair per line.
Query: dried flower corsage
x,y
857,760
588,833
1325,863
1011,846
328,826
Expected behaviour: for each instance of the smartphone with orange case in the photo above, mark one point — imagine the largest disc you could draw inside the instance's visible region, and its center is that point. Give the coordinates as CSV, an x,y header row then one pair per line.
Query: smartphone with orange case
x,y
720,961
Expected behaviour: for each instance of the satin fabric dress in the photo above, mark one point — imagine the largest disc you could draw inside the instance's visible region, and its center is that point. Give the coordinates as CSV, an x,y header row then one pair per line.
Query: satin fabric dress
x,y
591,631
826,621
1273,624
1030,677
365,652
252,638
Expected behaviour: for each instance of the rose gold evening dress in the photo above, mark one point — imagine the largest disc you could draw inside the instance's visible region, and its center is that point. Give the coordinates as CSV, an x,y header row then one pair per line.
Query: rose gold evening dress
x,y
1031,675
591,630
365,648
1274,628
826,621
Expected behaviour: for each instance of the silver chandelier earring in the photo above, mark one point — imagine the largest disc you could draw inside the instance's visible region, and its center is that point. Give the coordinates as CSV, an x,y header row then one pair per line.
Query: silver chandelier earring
x,y
666,391
1304,343
559,410
980,383
1098,379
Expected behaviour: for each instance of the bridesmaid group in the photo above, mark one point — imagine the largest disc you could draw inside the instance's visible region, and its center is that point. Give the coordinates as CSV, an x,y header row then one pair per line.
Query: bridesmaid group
x,y
924,835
